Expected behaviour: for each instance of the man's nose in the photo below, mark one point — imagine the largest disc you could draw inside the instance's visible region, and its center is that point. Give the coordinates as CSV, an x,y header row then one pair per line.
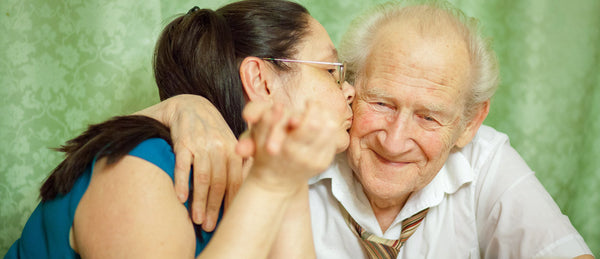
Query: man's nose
x,y
397,136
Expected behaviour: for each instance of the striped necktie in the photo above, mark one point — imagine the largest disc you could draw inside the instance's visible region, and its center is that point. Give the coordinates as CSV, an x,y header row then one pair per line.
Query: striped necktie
x,y
381,248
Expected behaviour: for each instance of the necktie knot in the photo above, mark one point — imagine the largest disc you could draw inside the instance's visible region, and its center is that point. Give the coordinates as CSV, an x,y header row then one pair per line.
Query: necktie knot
x,y
377,247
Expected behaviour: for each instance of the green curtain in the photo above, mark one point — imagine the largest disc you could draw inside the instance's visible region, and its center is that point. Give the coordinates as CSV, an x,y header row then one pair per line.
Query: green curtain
x,y
69,63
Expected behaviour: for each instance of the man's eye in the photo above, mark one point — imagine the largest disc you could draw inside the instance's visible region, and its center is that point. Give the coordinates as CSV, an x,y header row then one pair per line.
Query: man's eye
x,y
381,106
427,118
429,122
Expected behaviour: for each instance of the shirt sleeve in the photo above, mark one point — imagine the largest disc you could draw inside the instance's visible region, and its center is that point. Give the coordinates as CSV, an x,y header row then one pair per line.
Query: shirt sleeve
x,y
517,217
158,152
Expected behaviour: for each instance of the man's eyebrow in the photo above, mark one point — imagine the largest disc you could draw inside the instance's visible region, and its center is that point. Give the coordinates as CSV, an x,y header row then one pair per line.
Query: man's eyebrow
x,y
377,93
374,92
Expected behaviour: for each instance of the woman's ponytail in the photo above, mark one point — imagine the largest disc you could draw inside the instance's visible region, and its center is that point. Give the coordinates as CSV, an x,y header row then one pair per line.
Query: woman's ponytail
x,y
196,55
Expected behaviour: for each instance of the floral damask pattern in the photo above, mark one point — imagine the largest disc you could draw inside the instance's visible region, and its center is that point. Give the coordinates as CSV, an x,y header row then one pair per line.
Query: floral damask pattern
x,y
70,63
63,66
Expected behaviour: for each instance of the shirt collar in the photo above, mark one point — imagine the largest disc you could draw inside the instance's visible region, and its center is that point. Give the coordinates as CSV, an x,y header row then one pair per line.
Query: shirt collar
x,y
455,173
348,191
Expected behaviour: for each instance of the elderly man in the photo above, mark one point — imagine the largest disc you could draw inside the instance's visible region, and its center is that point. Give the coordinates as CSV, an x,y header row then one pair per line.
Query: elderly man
x,y
422,177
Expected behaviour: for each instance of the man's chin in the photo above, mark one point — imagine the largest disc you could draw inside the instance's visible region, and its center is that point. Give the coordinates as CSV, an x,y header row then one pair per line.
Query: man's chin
x,y
386,174
383,190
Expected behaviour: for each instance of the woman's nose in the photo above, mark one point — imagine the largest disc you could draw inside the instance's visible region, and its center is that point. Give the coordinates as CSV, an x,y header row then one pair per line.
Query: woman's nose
x,y
348,91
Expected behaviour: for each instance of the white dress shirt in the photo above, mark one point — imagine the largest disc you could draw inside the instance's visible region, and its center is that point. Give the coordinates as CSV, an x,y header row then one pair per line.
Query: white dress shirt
x,y
484,203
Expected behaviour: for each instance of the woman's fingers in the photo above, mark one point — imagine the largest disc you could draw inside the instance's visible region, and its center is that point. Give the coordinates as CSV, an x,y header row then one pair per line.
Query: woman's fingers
x,y
278,129
289,149
269,131
245,146
313,136
254,111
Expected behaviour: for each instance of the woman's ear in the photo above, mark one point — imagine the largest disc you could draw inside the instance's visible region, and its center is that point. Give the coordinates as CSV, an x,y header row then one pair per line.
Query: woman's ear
x,y
255,75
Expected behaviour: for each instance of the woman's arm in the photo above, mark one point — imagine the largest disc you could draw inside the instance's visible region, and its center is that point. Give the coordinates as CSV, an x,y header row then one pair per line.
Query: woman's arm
x,y
273,200
130,210
251,223
313,154
294,240
201,137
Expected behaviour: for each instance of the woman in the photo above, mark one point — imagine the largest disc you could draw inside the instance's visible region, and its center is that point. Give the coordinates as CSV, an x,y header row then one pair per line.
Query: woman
x,y
113,196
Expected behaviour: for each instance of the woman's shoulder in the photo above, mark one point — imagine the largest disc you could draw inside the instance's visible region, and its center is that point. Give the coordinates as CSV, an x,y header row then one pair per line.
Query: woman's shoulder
x,y
131,205
158,152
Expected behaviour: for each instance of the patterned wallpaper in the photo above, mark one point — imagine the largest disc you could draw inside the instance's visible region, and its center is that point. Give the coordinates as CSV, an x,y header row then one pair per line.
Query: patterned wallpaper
x,y
69,63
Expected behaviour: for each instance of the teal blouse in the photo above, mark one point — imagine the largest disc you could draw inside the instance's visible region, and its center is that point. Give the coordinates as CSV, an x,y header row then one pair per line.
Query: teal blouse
x,y
46,233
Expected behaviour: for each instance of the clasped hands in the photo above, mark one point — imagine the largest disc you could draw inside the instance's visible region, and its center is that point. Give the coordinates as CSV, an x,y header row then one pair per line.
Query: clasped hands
x,y
282,148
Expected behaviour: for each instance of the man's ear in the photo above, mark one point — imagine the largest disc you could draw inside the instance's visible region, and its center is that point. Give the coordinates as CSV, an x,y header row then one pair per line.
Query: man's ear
x,y
255,75
473,125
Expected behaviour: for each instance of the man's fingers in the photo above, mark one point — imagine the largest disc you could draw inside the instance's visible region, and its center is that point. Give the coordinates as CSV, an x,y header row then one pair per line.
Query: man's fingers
x,y
201,184
183,161
217,189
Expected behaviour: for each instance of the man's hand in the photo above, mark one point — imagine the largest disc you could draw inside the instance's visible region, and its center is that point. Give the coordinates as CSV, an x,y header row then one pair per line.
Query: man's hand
x,y
288,149
201,137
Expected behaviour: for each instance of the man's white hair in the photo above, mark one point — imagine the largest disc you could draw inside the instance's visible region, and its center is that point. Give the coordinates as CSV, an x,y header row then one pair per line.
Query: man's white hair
x,y
357,42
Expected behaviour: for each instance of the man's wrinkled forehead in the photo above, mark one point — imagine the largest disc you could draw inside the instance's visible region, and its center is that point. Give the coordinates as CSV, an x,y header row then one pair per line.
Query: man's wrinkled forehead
x,y
402,48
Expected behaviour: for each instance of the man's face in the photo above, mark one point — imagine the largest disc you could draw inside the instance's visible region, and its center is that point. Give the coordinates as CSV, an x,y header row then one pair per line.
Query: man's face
x,y
408,109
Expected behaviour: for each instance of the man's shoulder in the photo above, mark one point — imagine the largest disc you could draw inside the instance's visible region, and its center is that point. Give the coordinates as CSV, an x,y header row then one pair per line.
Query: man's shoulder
x,y
486,135
486,143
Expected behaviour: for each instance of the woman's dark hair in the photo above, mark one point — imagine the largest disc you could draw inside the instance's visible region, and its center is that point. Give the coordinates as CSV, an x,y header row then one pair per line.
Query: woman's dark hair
x,y
198,53
112,139
201,52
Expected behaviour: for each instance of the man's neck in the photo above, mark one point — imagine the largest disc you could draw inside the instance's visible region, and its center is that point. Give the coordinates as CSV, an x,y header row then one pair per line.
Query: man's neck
x,y
386,212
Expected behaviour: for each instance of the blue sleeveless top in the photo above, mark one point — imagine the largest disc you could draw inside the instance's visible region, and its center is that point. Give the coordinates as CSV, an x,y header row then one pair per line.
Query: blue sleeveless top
x,y
46,233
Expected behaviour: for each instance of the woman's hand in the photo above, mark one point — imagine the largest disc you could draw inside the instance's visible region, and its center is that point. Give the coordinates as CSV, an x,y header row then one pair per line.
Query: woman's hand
x,y
288,149
201,137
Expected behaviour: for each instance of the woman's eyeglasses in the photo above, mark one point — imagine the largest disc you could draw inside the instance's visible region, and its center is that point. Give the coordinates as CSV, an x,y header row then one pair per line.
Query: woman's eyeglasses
x,y
341,71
